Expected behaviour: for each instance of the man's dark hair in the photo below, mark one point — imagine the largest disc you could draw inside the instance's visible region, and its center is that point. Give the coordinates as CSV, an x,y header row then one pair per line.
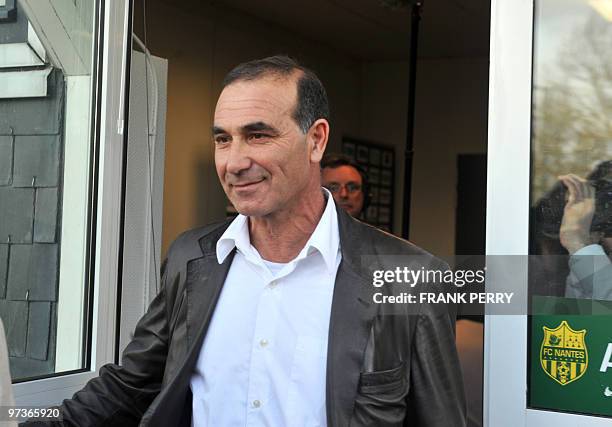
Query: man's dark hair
x,y
312,101
333,161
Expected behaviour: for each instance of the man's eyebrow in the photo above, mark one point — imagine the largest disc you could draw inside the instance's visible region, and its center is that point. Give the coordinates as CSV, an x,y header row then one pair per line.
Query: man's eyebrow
x,y
258,127
216,130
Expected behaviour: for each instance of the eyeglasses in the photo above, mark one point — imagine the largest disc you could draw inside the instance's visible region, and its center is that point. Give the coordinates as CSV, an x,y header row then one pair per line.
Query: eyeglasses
x,y
351,187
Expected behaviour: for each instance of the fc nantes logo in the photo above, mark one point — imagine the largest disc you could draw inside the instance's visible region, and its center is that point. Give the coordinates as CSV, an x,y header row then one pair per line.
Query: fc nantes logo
x,y
564,354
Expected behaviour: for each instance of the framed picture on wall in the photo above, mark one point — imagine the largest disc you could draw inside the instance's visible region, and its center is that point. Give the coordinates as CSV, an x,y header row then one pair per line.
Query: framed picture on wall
x,y
378,160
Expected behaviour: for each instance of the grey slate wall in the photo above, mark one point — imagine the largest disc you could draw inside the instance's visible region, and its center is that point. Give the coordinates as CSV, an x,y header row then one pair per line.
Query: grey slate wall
x,y
31,152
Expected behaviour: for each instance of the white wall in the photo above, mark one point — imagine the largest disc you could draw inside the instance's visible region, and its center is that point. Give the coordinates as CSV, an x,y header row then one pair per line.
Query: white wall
x,y
451,118
383,117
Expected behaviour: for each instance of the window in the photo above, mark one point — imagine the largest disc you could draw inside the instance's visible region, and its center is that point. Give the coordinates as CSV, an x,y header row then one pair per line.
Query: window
x,y
47,67
571,204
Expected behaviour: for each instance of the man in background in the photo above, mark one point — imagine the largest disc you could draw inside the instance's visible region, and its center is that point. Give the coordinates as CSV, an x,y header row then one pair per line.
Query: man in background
x,y
586,233
347,181
574,235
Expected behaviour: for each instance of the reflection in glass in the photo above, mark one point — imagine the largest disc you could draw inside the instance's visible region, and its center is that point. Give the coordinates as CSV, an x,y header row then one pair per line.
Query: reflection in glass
x,y
572,151
570,276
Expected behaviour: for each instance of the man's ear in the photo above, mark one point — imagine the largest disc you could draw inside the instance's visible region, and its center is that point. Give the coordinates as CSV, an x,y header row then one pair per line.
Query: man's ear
x,y
318,135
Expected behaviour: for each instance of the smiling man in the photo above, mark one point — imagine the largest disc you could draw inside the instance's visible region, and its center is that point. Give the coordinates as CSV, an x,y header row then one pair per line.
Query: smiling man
x,y
267,319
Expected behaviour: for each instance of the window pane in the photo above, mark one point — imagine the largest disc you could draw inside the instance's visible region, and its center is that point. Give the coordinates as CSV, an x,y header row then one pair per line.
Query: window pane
x,y
571,190
46,68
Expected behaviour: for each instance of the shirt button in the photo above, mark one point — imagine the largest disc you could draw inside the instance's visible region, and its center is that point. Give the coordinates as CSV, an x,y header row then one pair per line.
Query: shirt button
x,y
273,284
256,403
263,343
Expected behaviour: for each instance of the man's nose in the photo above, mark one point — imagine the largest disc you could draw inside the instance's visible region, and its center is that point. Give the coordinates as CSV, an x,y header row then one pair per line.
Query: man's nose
x,y
343,192
238,159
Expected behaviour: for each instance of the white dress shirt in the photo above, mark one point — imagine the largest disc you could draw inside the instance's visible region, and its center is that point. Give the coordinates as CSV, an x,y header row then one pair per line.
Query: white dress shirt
x,y
263,360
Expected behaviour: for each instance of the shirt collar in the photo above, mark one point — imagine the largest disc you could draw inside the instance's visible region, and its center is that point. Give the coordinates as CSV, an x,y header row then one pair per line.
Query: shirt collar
x,y
325,238
235,236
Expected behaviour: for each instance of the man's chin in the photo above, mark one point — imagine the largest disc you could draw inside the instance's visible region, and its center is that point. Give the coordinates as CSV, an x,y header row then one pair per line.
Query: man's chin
x,y
252,210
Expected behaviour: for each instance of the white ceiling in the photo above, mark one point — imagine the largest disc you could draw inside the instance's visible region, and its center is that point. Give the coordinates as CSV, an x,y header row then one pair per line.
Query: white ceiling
x,y
366,30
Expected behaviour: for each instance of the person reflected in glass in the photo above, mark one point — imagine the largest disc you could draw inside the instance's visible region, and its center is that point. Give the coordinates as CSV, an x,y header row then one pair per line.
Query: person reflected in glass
x,y
573,237
586,233
347,181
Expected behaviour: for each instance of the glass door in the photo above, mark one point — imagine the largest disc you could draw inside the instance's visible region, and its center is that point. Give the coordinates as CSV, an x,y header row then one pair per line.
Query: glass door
x,y
550,202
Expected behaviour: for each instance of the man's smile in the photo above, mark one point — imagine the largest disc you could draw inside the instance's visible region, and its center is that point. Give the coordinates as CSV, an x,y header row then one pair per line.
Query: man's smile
x,y
246,185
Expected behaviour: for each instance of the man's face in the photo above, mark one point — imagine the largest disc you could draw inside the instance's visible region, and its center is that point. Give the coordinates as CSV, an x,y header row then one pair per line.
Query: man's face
x,y
261,155
345,184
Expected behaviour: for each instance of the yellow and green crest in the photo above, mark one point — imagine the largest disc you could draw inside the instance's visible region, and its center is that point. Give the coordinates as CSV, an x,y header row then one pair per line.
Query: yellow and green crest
x,y
563,354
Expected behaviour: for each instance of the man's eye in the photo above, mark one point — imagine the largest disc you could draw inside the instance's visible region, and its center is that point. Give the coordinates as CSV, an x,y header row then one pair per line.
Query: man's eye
x,y
258,136
221,139
352,187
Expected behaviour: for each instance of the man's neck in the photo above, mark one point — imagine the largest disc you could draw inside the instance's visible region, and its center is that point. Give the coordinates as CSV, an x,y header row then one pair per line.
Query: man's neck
x,y
280,237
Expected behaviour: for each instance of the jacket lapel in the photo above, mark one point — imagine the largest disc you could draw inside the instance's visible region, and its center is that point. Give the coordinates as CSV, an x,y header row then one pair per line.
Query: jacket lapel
x,y
203,283
350,323
205,279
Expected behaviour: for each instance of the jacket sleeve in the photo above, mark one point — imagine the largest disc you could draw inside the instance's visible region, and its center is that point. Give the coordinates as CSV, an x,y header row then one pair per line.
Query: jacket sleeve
x,y
122,393
436,397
